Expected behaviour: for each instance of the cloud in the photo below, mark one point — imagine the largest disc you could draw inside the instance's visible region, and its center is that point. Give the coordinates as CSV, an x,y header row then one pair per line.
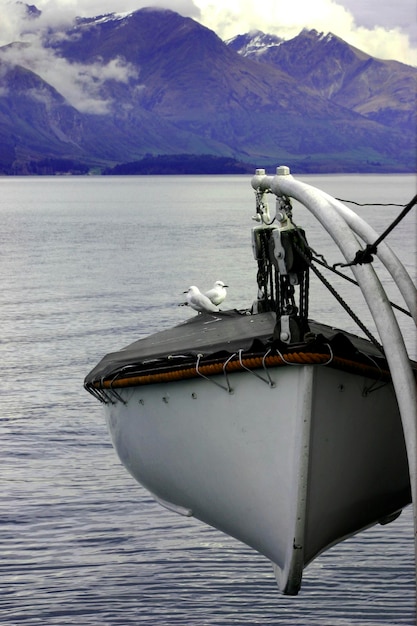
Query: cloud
x,y
383,44
62,12
385,14
287,19
12,19
80,84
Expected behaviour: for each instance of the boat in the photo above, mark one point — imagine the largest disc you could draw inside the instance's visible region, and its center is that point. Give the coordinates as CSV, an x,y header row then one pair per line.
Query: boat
x,y
283,432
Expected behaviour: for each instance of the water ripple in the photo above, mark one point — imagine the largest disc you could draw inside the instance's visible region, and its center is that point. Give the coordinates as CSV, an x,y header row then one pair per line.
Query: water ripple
x,y
80,542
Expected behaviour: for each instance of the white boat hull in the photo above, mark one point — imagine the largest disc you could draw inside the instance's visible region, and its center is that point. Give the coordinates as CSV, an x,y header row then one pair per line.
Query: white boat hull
x,y
288,469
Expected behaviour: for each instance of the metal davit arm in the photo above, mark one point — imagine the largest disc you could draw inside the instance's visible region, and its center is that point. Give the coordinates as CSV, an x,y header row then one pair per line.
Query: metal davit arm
x,y
394,266
402,279
338,222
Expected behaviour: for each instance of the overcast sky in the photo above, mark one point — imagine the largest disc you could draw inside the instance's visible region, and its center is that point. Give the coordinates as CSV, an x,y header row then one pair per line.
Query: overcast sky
x,y
383,28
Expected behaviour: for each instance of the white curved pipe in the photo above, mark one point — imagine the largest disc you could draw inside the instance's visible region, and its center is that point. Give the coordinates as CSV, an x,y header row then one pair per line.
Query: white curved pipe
x,y
378,303
392,263
394,266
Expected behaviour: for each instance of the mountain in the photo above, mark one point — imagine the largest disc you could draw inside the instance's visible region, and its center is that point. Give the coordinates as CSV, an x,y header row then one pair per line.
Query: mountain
x,y
35,120
155,83
382,91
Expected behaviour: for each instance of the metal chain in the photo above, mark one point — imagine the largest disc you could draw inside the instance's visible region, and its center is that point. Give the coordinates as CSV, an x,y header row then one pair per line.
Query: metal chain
x,y
264,275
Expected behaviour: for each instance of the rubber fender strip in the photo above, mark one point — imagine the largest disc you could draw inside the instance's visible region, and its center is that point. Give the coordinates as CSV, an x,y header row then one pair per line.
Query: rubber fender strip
x,y
213,369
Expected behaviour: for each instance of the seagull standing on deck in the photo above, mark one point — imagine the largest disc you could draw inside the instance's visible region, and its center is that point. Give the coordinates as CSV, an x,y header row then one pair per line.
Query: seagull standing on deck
x,y
199,302
218,293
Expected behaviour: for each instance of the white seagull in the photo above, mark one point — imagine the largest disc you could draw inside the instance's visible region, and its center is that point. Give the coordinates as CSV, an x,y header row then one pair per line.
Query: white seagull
x,y
218,293
199,302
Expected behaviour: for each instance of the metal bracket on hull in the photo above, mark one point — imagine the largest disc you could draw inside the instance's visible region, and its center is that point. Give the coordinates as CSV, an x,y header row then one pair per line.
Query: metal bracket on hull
x,y
112,392
227,387
377,384
99,394
105,393
269,382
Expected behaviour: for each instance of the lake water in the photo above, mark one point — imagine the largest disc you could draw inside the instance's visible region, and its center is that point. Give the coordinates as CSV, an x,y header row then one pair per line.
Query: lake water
x,y
88,265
